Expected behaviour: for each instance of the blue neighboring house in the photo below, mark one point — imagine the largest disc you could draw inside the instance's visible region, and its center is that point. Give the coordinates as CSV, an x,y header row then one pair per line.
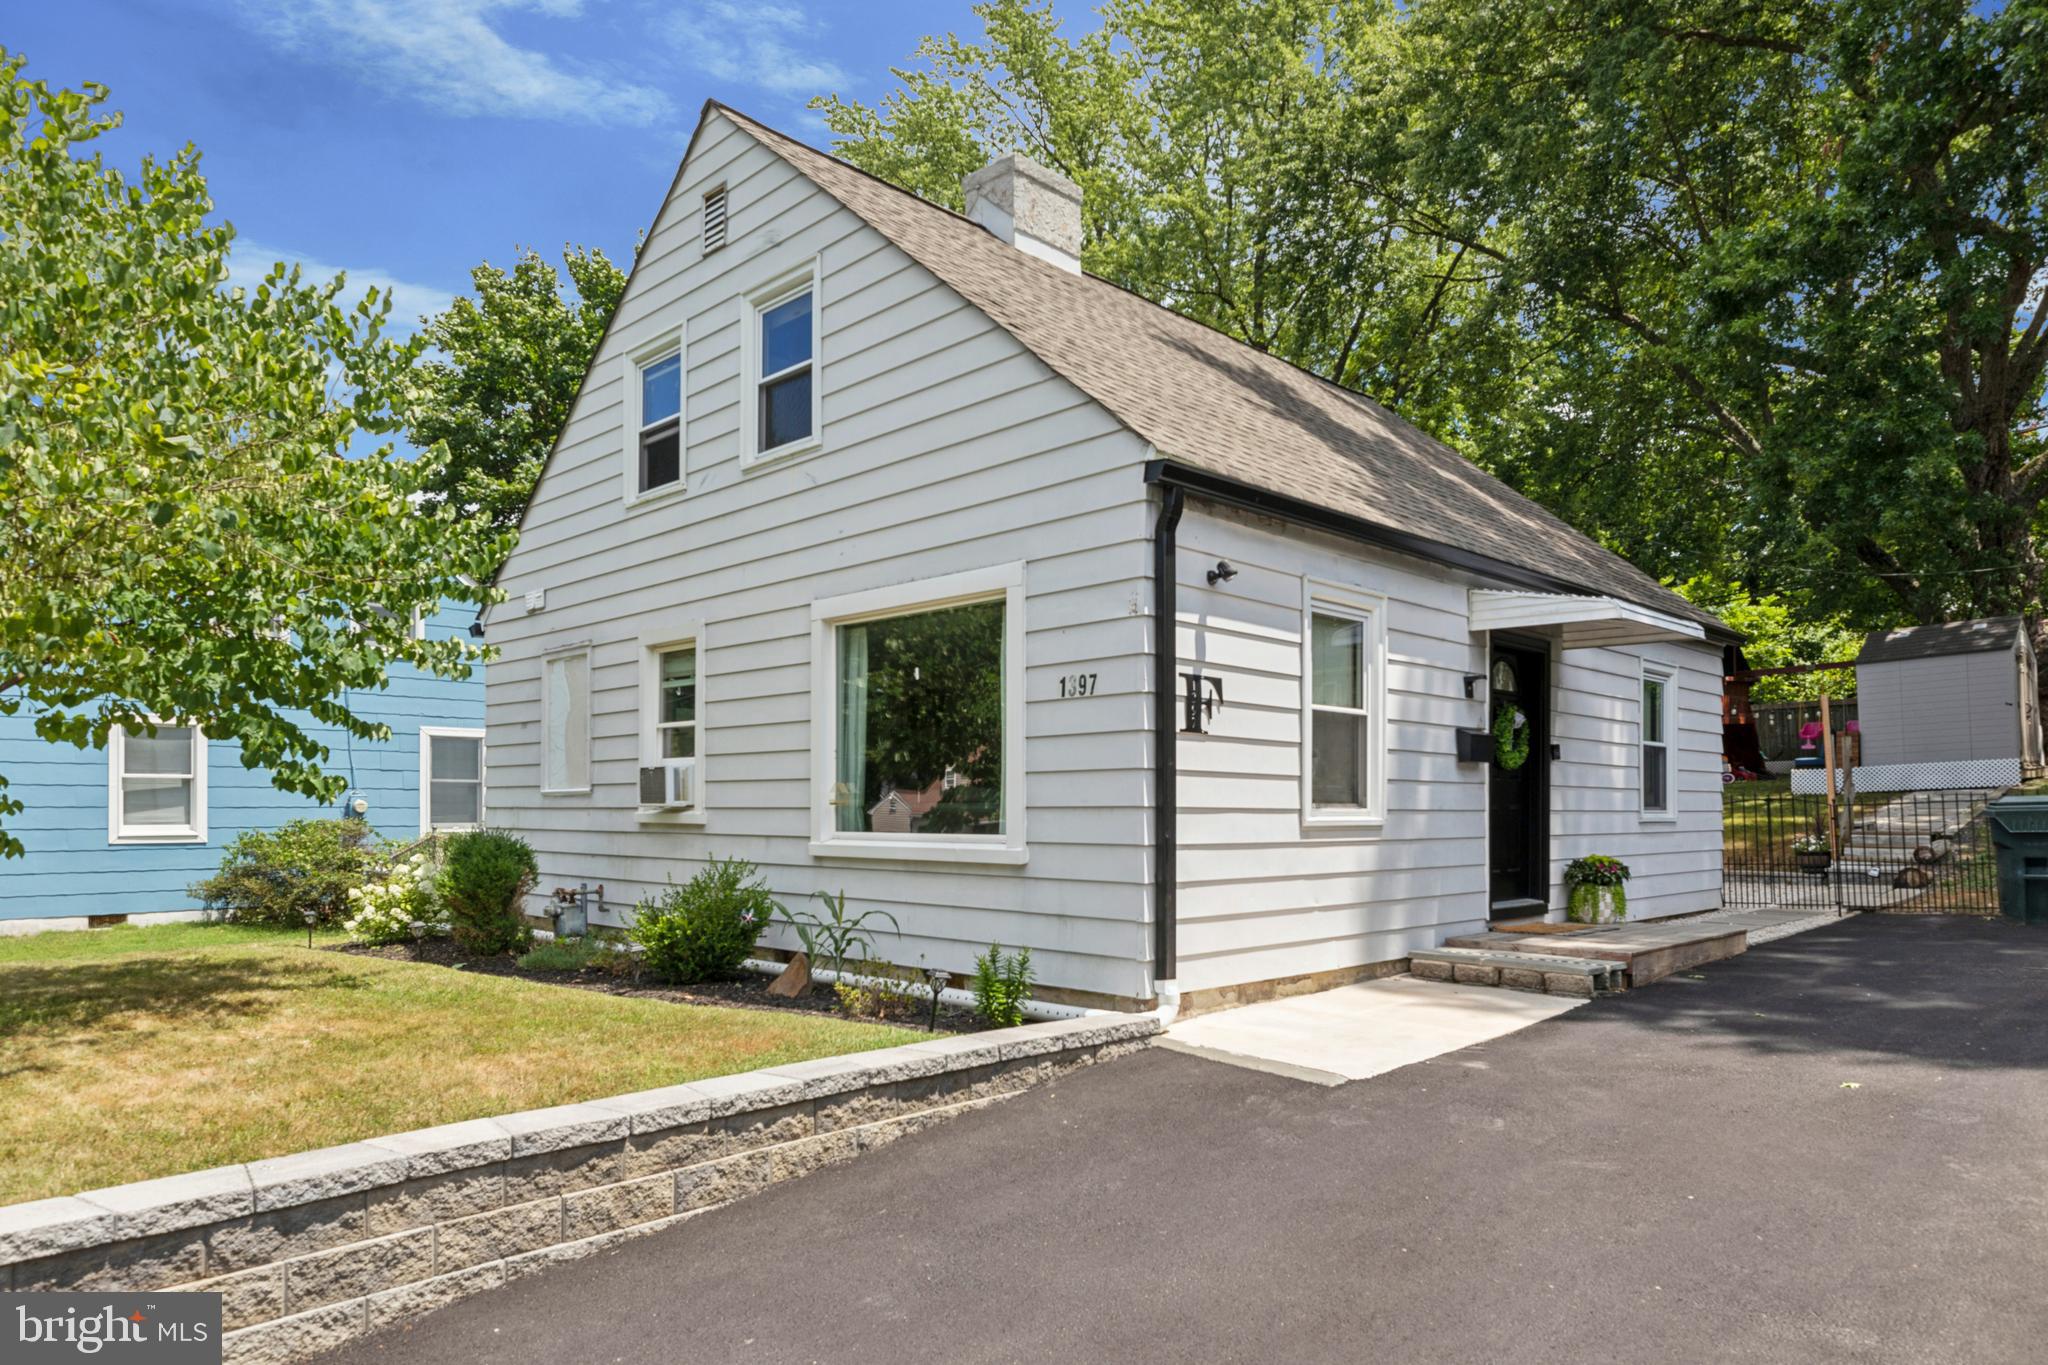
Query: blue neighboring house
x,y
123,831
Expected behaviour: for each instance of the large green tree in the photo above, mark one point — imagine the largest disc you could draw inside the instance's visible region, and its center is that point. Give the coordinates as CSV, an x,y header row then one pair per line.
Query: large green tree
x,y
504,367
1738,288
191,525
1816,227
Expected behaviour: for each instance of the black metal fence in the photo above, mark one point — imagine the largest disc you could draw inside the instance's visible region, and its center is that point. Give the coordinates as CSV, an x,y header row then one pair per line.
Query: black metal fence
x,y
1909,852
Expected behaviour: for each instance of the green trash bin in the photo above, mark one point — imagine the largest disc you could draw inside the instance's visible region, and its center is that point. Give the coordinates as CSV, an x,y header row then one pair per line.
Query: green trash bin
x,y
2019,833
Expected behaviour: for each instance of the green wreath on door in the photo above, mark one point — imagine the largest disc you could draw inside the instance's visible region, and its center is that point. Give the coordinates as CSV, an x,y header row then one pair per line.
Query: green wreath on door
x,y
1510,737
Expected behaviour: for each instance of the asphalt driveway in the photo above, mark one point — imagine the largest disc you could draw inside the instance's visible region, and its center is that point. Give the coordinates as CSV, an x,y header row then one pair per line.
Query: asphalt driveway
x,y
1834,1148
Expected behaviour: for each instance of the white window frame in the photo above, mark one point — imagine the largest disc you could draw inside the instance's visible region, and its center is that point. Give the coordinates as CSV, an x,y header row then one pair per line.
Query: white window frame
x,y
428,734
671,343
547,718
1667,675
118,830
1358,604
658,637
1004,583
778,291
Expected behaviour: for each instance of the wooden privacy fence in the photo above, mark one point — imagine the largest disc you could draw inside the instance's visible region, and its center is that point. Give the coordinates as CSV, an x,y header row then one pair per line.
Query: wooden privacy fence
x,y
1778,722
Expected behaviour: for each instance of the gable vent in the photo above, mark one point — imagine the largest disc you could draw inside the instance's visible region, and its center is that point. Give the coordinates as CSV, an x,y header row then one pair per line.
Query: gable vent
x,y
714,219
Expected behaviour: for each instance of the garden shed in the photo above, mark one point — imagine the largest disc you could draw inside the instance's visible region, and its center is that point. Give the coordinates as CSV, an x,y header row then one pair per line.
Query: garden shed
x,y
1960,692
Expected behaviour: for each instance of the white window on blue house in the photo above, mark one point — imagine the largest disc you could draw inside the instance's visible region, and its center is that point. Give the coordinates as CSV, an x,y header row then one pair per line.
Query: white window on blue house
x,y
156,786
451,779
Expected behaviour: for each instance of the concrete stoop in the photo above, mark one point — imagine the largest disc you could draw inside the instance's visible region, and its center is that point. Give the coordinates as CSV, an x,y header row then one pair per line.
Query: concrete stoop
x,y
1590,961
1517,971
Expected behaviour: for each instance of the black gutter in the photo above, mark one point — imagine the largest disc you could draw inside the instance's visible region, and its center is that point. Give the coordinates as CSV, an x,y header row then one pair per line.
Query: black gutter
x,y
1221,489
1165,739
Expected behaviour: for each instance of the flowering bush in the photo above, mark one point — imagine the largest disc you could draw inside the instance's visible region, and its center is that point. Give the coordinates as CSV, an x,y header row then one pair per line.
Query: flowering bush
x,y
386,911
1595,869
1810,843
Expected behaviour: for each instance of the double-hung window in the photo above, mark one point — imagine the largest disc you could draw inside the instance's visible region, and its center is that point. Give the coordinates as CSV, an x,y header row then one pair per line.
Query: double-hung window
x,y
1655,759
1343,706
653,418
675,716
918,701
781,359
671,721
565,722
156,786
451,779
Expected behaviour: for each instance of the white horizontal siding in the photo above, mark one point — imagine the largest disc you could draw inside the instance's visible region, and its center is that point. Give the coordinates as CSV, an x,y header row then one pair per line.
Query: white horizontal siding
x,y
1596,781
1262,895
947,447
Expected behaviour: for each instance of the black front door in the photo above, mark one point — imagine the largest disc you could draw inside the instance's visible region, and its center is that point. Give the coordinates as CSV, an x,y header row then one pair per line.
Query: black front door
x,y
1518,799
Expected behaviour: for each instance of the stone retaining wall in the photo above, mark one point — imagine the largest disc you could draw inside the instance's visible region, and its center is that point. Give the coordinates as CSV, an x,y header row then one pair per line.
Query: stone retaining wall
x,y
307,1251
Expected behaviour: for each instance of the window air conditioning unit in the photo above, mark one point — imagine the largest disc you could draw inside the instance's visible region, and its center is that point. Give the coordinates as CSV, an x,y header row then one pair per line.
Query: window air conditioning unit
x,y
669,785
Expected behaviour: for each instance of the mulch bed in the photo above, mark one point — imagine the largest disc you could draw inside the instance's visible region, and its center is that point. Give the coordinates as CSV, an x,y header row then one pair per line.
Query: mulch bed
x,y
747,992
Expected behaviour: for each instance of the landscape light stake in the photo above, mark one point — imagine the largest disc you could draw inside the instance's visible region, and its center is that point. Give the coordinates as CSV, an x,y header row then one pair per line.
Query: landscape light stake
x,y
309,917
937,980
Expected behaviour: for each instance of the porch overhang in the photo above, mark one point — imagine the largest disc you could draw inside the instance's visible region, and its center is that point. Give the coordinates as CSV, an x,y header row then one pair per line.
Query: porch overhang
x,y
1576,622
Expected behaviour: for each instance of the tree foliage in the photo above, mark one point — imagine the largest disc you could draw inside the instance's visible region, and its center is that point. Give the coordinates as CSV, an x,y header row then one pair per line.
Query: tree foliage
x,y
505,367
1781,635
190,529
1749,290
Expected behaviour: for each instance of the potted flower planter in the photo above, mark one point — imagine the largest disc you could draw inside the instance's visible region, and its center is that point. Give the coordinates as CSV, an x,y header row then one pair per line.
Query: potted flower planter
x,y
1813,862
1594,890
1597,905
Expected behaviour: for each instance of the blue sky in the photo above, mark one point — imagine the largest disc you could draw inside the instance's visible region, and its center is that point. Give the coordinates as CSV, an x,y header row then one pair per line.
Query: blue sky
x,y
406,140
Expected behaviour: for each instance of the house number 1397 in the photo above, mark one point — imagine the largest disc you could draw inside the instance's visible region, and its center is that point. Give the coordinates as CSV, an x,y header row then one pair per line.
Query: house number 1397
x,y
1077,685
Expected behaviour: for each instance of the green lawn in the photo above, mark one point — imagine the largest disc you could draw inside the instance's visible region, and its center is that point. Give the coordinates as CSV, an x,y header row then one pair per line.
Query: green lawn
x,y
132,1053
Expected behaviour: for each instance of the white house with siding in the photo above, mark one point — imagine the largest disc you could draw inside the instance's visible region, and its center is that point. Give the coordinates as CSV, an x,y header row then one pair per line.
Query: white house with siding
x,y
851,561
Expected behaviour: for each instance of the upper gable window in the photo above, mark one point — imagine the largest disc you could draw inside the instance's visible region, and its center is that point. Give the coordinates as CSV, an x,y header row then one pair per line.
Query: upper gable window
x,y
781,368
654,420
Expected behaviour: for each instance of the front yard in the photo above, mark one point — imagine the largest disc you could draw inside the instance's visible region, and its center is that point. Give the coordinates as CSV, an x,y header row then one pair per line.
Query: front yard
x,y
127,1054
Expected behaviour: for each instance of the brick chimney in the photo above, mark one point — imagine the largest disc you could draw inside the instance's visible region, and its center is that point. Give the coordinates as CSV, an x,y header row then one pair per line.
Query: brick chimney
x,y
1030,206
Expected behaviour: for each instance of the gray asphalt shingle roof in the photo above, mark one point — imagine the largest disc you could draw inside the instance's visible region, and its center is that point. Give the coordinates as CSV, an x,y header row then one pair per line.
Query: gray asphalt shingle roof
x,y
1205,400
1946,637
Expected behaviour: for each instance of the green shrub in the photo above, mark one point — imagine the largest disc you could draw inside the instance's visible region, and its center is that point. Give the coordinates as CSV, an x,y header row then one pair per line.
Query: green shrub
x,y
275,876
706,927
577,954
485,875
1001,985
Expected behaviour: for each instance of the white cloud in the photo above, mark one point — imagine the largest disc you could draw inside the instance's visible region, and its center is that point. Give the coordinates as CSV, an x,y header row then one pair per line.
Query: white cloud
x,y
450,54
758,45
250,261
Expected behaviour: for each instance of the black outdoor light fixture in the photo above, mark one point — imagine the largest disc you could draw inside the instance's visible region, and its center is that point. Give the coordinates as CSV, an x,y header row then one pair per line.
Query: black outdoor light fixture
x,y
937,980
1472,680
1222,573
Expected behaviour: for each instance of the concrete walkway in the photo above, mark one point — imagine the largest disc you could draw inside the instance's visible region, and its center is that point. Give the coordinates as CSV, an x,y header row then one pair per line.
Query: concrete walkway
x,y
1364,1030
1358,1031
